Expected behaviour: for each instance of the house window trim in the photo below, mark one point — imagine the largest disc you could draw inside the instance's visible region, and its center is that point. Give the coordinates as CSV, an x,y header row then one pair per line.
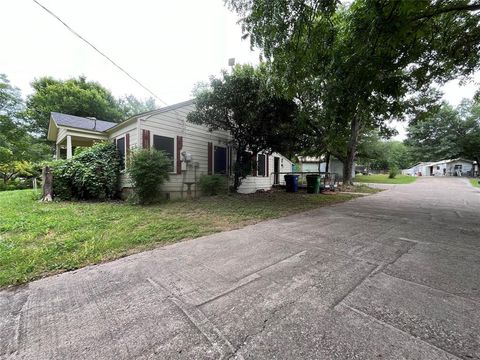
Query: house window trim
x,y
171,136
122,171
218,144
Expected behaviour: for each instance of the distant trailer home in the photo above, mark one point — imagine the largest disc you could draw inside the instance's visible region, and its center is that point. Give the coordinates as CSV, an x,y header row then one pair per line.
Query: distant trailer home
x,y
451,167
193,149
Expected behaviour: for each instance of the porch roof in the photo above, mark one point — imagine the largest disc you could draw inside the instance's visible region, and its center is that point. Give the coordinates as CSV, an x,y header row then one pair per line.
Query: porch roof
x,y
71,122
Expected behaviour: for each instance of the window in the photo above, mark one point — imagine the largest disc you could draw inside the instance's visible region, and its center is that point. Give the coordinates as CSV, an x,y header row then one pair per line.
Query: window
x,y
220,160
121,151
167,145
261,165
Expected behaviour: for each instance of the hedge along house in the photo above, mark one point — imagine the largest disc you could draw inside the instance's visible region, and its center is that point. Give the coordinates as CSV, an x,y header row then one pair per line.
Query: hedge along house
x,y
193,149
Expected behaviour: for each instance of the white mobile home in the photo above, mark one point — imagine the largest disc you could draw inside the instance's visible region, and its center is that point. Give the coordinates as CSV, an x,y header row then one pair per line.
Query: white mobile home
x,y
194,149
453,167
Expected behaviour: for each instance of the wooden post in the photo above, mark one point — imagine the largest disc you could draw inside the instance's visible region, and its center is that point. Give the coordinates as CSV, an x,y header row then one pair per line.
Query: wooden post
x,y
69,147
47,184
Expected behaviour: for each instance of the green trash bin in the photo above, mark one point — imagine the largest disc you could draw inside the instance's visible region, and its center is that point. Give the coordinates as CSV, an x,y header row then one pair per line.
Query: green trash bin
x,y
313,184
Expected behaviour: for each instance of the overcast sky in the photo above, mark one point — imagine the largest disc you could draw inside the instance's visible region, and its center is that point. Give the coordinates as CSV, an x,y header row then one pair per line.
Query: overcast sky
x,y
169,45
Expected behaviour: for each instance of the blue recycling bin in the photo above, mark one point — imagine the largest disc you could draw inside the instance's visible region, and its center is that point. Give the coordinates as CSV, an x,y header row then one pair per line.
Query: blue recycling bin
x,y
291,182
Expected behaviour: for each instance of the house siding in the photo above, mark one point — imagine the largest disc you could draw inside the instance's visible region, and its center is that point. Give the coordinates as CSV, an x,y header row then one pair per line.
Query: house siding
x,y
195,139
252,184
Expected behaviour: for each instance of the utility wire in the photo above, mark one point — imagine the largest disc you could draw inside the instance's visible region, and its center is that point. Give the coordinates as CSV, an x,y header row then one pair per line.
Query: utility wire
x,y
100,52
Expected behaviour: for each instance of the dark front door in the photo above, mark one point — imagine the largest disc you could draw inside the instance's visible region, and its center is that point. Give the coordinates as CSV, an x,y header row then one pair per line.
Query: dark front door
x,y
276,170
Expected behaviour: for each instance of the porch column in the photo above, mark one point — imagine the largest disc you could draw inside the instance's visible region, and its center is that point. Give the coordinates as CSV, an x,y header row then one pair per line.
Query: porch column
x,y
69,146
57,151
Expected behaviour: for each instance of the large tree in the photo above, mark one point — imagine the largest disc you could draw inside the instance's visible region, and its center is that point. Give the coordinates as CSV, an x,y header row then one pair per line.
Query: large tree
x,y
73,96
436,135
130,105
18,149
243,104
447,132
355,66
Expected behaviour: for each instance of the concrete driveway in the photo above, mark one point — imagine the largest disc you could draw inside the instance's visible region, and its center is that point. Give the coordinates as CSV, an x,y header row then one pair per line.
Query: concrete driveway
x,y
390,276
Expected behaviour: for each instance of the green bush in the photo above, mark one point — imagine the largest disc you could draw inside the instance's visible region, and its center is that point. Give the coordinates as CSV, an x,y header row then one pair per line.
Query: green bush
x,y
393,172
91,175
212,184
148,169
16,184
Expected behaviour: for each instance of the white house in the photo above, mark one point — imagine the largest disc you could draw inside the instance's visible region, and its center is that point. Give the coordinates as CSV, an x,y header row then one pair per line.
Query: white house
x,y
452,167
194,149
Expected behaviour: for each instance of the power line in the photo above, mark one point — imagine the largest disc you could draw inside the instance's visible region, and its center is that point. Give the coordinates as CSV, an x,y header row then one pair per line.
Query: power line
x,y
100,52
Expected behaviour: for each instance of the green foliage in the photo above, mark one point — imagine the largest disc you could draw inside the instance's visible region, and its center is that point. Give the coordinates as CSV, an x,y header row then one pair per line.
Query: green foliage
x,y
74,97
213,184
393,172
446,132
378,154
148,169
77,96
130,105
244,104
354,67
91,175
18,149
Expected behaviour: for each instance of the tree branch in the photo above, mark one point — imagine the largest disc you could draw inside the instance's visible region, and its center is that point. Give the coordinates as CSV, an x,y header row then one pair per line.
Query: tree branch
x,y
454,8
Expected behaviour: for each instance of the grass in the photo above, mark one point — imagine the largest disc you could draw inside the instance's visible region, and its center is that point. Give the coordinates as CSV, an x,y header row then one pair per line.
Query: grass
x,y
384,179
362,188
474,182
39,239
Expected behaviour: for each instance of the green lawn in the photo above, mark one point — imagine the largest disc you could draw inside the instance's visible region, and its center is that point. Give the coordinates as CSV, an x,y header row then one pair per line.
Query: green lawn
x,y
474,182
38,239
383,179
362,188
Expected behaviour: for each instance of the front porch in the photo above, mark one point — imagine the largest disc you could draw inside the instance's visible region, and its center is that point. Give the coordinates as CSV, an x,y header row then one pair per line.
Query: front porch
x,y
71,139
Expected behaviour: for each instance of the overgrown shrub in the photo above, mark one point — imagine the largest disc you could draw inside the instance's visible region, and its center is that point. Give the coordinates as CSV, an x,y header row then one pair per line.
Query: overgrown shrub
x,y
148,169
16,184
393,172
212,184
91,175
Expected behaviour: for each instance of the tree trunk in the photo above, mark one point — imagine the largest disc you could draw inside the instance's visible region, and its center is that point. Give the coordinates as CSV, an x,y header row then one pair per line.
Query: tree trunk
x,y
47,184
327,162
237,171
351,150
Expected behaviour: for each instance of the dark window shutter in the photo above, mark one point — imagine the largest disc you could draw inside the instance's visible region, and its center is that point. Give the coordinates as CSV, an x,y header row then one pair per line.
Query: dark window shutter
x,y
210,158
255,164
261,165
179,148
121,151
267,173
146,139
127,144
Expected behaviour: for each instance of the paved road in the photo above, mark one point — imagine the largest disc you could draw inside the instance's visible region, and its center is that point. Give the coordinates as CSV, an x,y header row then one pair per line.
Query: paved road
x,y
390,276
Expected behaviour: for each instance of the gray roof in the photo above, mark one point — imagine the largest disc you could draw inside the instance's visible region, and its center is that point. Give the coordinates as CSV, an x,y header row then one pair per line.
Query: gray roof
x,y
81,122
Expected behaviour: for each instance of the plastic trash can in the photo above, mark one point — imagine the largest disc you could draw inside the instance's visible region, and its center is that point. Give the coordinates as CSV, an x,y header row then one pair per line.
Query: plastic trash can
x,y
313,184
291,182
